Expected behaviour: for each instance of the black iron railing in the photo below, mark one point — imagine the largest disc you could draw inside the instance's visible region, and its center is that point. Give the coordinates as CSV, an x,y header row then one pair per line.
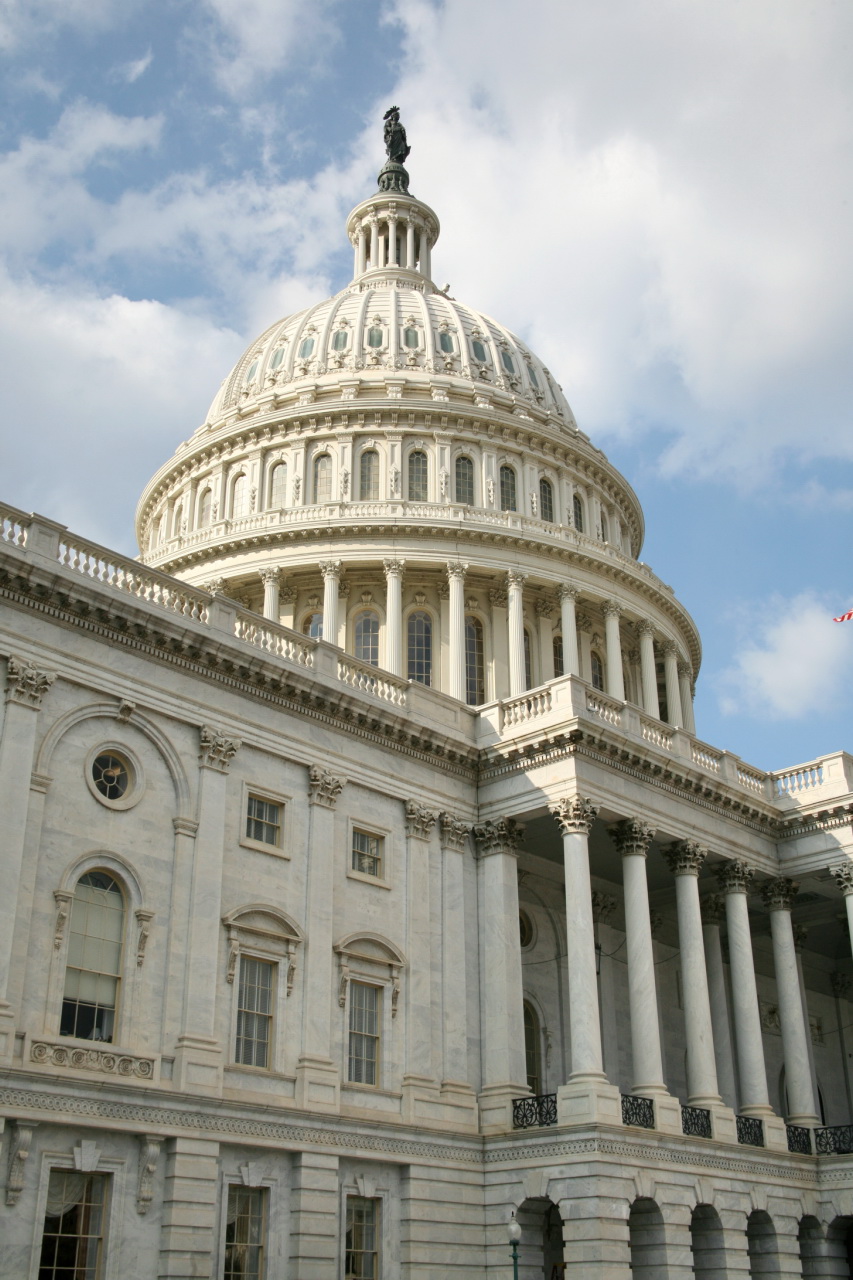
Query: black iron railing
x,y
750,1131
638,1111
696,1122
837,1140
535,1111
799,1139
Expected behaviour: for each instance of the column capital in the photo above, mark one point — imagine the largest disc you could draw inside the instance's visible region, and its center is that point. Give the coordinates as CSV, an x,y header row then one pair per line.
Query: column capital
x,y
631,836
645,628
611,609
502,836
685,857
544,608
454,832
713,908
323,787
567,592
670,649
25,683
330,568
269,575
393,566
685,669
734,876
779,893
216,586
456,569
287,595
603,906
419,821
216,750
516,578
498,598
844,877
575,815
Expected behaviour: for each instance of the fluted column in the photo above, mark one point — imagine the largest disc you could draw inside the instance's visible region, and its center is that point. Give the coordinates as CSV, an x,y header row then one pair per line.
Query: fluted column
x,y
515,580
778,895
410,244
713,909
331,571
843,873
800,936
394,615
374,242
271,578
734,880
685,859
615,680
673,692
392,242
568,602
648,674
685,683
456,580
361,252
455,843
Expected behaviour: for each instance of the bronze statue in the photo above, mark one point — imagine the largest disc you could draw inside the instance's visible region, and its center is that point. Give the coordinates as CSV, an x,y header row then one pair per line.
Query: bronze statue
x,y
395,137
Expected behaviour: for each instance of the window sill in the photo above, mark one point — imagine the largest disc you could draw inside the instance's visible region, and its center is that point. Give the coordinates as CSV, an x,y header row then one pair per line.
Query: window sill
x,y
274,850
365,879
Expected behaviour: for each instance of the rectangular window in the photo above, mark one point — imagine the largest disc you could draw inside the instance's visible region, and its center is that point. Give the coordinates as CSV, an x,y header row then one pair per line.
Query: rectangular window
x,y
367,853
245,1232
364,1002
263,821
254,1012
362,1239
72,1242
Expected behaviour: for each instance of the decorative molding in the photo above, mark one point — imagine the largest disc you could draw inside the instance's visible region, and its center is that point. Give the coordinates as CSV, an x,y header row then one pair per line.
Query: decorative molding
x,y
631,836
287,595
217,751
603,906
323,787
126,709
645,628
502,836
734,876
575,815
251,1174
143,919
456,569
419,821
87,1155
216,586
149,1153
185,827
19,1150
844,877
685,857
64,899
713,908
516,578
102,1060
269,576
26,685
330,568
567,592
393,566
454,832
498,598
544,609
779,893
611,609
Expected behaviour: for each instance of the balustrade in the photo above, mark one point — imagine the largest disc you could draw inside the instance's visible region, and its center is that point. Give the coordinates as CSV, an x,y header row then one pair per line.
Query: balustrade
x,y
799,1139
360,675
750,1131
834,1140
638,1111
536,1111
696,1122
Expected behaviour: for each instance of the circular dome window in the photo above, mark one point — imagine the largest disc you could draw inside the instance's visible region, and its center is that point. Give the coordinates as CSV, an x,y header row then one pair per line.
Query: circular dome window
x,y
526,932
114,777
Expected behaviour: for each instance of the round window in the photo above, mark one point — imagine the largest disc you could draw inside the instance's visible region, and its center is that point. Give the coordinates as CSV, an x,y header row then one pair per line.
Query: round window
x,y
114,777
525,929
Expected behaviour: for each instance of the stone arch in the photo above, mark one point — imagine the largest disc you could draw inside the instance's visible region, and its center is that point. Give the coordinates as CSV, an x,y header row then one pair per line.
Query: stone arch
x,y
761,1244
707,1243
838,1249
647,1239
540,1250
116,865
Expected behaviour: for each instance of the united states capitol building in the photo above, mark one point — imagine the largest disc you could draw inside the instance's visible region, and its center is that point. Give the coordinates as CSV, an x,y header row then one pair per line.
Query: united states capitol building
x,y
365,877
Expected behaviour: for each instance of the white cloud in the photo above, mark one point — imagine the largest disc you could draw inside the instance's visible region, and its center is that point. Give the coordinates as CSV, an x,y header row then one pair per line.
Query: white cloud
x,y
23,22
130,72
792,661
252,39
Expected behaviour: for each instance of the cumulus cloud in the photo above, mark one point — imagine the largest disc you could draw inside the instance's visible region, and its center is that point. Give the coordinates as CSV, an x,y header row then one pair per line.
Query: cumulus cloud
x,y
25,21
130,72
252,39
792,661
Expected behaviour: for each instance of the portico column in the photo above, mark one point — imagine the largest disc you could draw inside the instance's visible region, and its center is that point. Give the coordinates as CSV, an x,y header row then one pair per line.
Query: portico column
x,y
778,895
685,682
394,615
515,580
456,581
410,244
331,571
800,935
392,242
844,879
361,252
673,692
615,680
374,242
271,579
734,879
648,674
684,859
568,600
713,909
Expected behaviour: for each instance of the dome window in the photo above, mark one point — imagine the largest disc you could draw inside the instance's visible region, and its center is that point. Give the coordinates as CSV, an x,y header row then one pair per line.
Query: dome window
x,y
508,364
445,342
253,369
277,357
534,381
306,346
204,509
597,671
312,626
475,665
419,646
412,338
278,485
418,477
240,498
465,481
559,660
374,338
339,341
323,478
577,511
528,661
509,501
479,350
546,500
368,488
367,637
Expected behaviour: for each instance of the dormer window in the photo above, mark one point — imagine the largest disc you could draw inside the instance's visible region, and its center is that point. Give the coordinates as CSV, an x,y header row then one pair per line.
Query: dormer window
x,y
374,337
534,381
445,342
253,369
306,346
411,338
507,362
277,357
479,350
339,341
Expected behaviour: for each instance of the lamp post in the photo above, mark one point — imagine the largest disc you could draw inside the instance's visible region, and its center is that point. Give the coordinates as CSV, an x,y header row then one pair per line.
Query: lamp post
x,y
514,1233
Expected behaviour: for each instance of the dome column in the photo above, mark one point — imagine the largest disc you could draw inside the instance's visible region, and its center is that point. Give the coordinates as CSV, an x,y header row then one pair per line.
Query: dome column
x,y
648,674
361,252
515,580
456,580
331,571
271,579
374,242
673,692
615,680
685,673
410,244
391,258
394,615
568,617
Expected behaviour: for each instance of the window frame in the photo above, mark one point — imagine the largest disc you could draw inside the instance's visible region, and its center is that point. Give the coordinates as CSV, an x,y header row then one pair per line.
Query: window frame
x,y
273,1241
121,997
261,932
578,509
136,776
319,456
271,963
507,467
411,454
364,611
434,631
369,451
202,521
110,1168
245,497
269,797
274,467
384,834
379,1200
546,484
379,1037
485,666
464,457
373,960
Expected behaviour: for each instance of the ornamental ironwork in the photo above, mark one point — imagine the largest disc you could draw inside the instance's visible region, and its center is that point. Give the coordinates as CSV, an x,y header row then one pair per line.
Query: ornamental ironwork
x,y
535,1111
696,1122
836,1140
799,1139
638,1111
750,1131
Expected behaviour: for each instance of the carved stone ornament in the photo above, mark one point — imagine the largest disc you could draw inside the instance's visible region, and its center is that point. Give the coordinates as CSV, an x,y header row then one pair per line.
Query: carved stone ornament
x,y
844,877
645,628
734,877
502,836
801,933
515,578
779,893
545,608
126,709
64,898
454,832
393,566
251,1174
456,569
840,984
611,609
287,595
632,837
685,857
19,1150
217,751
575,815
323,787
568,592
419,821
216,586
25,684
143,919
149,1153
713,908
104,1061
87,1156
498,598
270,575
603,906
330,568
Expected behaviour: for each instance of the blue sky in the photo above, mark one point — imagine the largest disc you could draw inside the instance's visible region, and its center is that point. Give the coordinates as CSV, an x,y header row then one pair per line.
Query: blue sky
x,y
657,194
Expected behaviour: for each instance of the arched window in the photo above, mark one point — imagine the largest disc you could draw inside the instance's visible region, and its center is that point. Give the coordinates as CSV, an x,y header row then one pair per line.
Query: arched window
x,y
368,484
419,647
204,509
178,520
577,512
546,500
508,498
240,498
156,532
418,477
603,527
475,667
278,485
367,637
323,478
312,625
532,1048
559,664
528,662
465,481
93,966
597,667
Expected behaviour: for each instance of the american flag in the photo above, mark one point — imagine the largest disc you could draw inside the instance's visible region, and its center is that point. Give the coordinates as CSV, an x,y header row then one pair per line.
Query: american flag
x,y
845,617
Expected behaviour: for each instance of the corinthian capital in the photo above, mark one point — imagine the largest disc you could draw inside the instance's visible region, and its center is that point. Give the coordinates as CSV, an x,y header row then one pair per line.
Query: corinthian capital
x,y
779,893
25,684
393,566
685,857
516,578
456,569
734,877
323,787
454,832
575,815
568,592
844,877
603,906
502,836
631,836
713,908
419,821
269,575
216,751
611,609
330,568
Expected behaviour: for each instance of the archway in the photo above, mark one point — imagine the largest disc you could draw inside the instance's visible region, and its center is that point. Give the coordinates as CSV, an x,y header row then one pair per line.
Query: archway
x,y
707,1244
838,1256
540,1252
648,1241
761,1244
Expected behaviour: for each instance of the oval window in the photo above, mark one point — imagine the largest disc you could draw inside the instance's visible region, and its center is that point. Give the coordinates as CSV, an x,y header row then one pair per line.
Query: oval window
x,y
445,342
479,351
410,337
374,337
111,775
506,360
340,340
277,357
306,346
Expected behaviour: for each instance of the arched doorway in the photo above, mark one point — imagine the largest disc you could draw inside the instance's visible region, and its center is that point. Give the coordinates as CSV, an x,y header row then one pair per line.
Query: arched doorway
x,y
838,1259
707,1244
540,1251
761,1244
648,1241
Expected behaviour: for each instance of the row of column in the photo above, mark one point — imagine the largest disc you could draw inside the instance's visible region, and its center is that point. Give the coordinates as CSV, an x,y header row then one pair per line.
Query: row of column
x,y
679,693
685,858
382,245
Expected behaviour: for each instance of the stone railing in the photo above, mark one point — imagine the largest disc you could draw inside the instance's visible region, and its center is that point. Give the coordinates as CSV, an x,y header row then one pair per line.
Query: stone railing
x,y
368,679
816,781
274,639
526,707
